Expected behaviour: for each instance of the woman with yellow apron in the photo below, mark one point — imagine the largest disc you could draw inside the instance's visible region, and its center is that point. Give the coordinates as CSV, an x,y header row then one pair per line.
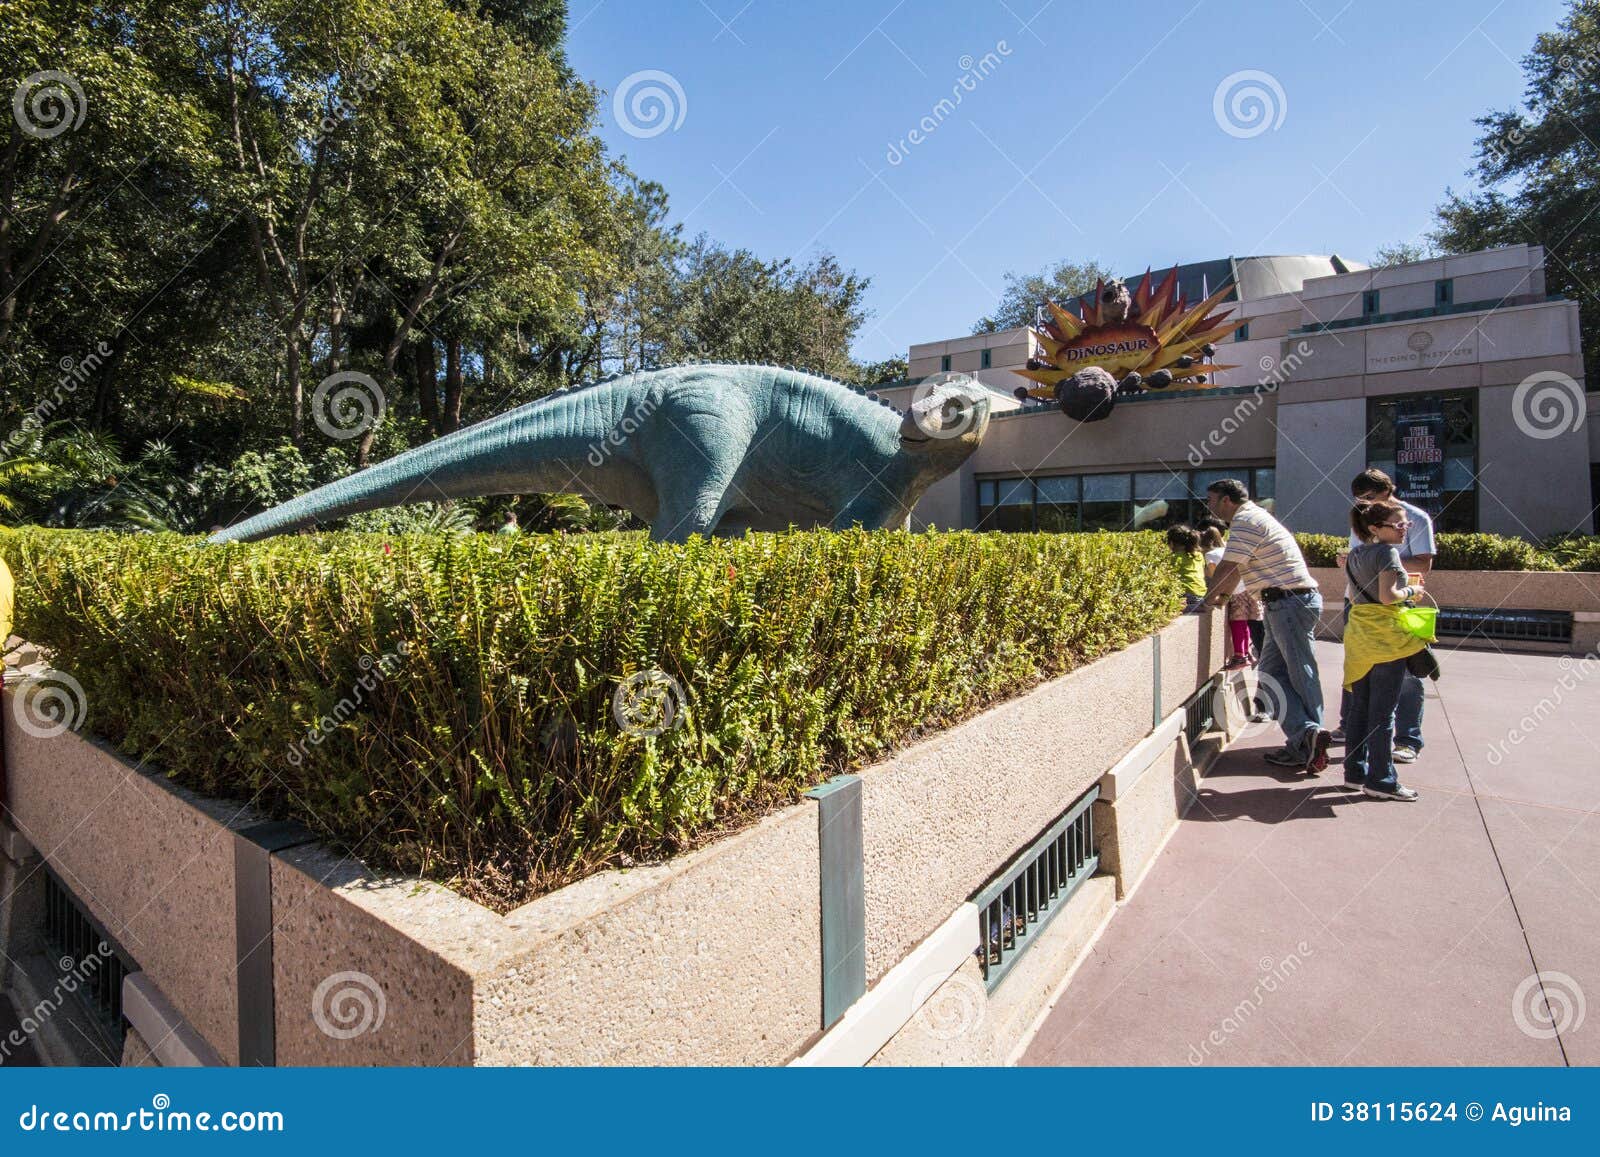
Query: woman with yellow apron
x,y
1376,647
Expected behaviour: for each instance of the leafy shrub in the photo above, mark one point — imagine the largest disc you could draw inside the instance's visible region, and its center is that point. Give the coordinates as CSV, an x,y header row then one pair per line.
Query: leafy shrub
x,y
1456,552
444,705
1574,552
1488,552
1319,549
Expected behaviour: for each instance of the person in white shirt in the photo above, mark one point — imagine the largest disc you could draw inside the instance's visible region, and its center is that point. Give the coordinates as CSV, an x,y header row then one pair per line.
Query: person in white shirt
x,y
1416,553
1263,553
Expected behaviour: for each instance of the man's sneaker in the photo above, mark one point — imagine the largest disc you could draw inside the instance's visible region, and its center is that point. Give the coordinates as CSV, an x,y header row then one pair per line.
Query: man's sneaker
x,y
1396,792
1405,754
1338,734
1355,785
1317,754
1283,757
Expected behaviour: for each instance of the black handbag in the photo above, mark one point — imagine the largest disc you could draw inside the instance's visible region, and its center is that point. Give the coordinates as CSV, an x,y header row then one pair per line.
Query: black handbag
x,y
1424,664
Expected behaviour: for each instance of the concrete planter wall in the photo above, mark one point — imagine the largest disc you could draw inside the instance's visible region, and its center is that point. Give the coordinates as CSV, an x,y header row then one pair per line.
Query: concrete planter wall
x,y
712,958
1577,592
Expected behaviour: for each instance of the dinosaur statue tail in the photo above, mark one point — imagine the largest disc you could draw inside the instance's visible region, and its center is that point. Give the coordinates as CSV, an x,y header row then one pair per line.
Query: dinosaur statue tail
x,y
467,463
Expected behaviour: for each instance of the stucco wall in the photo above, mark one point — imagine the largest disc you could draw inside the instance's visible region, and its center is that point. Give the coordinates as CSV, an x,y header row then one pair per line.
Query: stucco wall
x,y
712,958
1515,491
1321,446
150,861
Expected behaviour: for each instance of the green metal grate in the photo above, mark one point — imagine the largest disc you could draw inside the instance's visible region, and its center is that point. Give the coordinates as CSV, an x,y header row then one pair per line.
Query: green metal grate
x,y
1014,907
1505,626
87,952
1199,712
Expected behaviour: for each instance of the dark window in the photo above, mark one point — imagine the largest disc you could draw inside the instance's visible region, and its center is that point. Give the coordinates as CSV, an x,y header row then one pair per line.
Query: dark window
x,y
1369,302
1107,502
1455,505
1059,504
1443,292
983,359
944,364
1146,500
1005,504
1242,333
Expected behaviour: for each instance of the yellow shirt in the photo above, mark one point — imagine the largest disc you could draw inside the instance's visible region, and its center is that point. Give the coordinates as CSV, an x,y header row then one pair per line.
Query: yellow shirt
x,y
7,601
1191,569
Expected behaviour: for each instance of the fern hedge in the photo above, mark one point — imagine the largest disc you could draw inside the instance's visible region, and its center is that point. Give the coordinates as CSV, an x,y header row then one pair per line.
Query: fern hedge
x,y
450,705
1479,552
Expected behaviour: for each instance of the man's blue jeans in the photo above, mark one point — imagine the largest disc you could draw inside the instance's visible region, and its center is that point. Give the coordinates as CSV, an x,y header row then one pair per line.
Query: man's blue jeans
x,y
1289,660
1407,715
1369,728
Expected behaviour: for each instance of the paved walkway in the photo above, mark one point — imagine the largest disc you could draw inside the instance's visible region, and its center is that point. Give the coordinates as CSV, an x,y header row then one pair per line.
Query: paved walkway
x,y
1288,922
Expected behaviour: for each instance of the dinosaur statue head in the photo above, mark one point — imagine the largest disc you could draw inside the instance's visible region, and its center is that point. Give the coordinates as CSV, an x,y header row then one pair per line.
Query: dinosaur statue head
x,y
946,420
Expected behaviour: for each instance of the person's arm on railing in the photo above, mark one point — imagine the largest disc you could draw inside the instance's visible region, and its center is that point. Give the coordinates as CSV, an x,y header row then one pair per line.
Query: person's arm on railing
x,y
1223,581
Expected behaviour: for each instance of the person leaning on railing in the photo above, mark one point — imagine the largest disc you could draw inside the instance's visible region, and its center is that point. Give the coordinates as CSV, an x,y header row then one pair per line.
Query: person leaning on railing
x,y
1264,555
1376,647
7,605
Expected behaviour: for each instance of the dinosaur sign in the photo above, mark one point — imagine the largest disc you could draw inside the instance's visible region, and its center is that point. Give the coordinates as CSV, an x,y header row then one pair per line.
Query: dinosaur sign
x,y
1124,343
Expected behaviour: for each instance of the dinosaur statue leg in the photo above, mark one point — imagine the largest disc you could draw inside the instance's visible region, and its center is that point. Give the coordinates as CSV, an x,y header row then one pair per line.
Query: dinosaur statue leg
x,y
692,458
871,512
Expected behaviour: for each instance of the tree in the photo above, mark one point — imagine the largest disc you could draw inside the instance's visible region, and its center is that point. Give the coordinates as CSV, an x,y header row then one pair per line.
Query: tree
x,y
1025,293
1403,253
894,369
1541,171
729,304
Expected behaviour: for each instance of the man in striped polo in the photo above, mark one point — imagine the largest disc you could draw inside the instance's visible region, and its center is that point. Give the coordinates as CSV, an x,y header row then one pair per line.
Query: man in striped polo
x,y
1263,552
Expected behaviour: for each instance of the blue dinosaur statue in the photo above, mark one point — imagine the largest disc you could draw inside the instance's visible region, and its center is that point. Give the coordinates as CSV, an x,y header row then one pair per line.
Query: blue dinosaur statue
x,y
696,449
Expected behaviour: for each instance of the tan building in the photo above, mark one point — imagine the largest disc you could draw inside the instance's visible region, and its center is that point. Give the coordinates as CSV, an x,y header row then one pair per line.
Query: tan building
x,y
1460,376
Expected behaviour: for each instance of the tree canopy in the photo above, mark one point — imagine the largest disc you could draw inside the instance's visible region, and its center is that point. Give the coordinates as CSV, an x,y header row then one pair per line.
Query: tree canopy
x,y
1026,292
1540,170
212,209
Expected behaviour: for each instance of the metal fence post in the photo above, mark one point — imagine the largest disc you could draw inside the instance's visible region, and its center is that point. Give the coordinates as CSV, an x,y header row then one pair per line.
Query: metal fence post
x,y
1155,688
842,870
253,849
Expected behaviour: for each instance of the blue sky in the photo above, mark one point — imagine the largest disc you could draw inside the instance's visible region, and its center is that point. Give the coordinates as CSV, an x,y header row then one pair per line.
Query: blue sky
x,y
1083,130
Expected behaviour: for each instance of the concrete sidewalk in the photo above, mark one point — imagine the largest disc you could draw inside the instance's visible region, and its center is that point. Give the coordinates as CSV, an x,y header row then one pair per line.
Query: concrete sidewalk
x,y
1288,922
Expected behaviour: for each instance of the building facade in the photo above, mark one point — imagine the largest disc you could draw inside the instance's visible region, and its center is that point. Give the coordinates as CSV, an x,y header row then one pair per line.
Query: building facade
x,y
1460,376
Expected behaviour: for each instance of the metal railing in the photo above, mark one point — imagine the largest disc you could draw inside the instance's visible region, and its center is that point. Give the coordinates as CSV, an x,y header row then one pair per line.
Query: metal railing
x,y
1505,625
87,953
1014,907
1199,712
